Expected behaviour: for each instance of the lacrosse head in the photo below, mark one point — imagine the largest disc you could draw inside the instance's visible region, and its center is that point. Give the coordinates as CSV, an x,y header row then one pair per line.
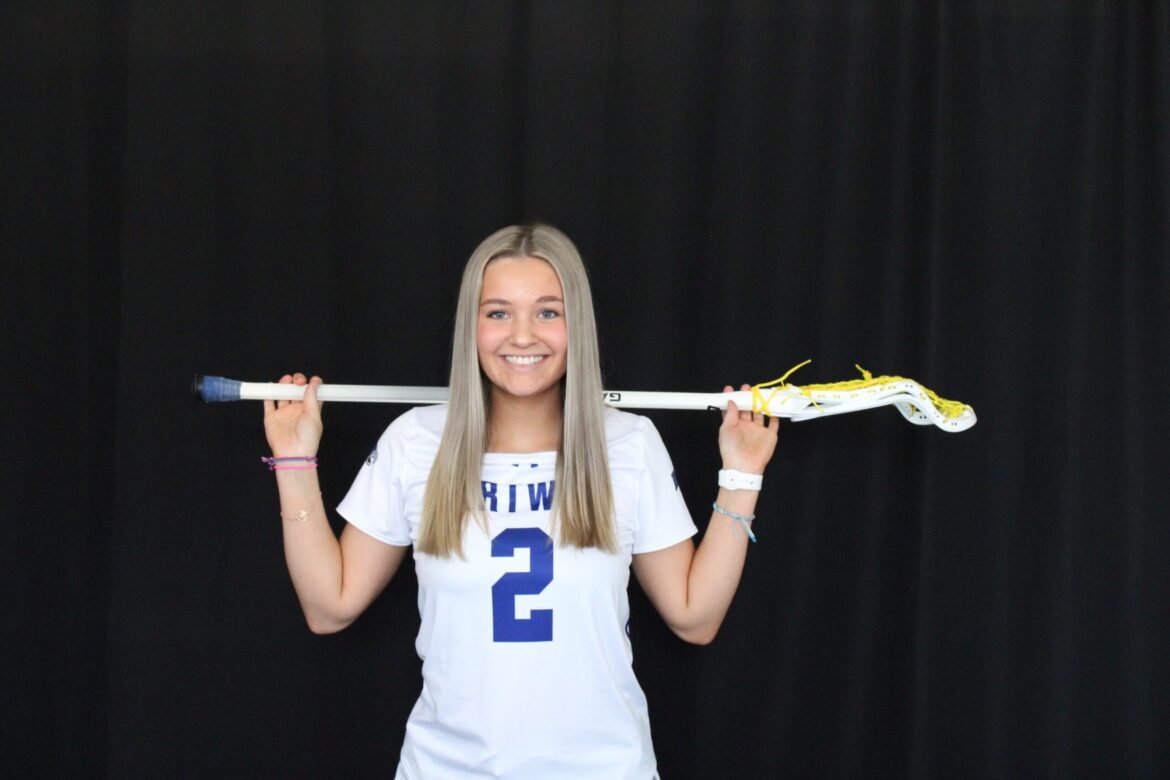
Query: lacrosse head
x,y
918,404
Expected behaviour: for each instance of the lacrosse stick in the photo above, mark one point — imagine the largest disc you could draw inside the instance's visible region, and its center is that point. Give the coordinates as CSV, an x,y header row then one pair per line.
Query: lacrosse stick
x,y
777,398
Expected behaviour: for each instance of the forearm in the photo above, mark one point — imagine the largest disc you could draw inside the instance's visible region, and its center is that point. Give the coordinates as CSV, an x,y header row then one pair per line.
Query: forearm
x,y
311,550
693,588
716,568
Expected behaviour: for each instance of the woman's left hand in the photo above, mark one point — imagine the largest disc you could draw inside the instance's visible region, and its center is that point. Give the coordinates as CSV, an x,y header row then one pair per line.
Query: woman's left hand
x,y
746,439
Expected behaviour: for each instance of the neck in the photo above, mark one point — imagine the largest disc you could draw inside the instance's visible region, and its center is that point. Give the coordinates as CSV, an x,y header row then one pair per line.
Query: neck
x,y
525,424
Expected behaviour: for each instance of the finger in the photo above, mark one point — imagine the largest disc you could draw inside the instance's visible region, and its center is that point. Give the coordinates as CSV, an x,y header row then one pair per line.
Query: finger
x,y
311,396
284,380
754,415
298,379
727,410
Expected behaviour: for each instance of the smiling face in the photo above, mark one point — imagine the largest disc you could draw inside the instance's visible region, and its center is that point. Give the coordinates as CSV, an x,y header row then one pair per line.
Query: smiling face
x,y
521,335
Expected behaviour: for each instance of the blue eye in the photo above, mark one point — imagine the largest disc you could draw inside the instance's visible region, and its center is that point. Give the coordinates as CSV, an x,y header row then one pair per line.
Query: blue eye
x,y
497,315
548,314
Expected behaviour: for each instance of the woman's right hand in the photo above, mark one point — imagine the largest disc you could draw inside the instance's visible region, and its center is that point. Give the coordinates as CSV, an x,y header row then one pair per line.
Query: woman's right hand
x,y
294,428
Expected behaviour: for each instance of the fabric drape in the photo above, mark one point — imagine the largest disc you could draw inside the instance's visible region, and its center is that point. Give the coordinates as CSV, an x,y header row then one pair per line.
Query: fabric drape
x,y
973,196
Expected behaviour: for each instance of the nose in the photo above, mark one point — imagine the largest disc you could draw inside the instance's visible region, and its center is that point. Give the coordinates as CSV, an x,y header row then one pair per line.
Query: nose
x,y
522,335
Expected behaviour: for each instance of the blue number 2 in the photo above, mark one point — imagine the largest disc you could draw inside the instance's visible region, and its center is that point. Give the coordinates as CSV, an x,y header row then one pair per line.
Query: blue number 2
x,y
506,627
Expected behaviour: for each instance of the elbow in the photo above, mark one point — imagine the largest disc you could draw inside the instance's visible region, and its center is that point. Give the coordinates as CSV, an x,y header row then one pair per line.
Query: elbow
x,y
321,625
700,635
323,629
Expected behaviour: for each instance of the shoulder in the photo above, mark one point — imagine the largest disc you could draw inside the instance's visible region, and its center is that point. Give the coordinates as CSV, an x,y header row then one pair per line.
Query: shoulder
x,y
425,421
629,436
417,429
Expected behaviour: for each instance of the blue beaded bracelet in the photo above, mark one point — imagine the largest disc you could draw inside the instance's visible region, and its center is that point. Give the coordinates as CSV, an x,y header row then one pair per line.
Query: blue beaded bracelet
x,y
743,520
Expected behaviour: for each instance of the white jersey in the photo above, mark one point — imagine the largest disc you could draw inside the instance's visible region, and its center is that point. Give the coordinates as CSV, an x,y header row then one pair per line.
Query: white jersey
x,y
527,662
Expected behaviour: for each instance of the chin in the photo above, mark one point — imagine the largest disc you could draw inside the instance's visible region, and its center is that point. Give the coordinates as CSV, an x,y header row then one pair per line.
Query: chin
x,y
527,390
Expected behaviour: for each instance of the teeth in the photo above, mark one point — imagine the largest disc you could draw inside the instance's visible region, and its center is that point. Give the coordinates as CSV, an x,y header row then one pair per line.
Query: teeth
x,y
524,360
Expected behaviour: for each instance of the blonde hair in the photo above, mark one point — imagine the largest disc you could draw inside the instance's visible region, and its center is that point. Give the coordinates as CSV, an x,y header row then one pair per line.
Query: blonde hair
x,y
582,508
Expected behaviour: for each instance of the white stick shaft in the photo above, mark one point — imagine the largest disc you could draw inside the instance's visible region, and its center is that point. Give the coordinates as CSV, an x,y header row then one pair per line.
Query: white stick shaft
x,y
384,394
402,394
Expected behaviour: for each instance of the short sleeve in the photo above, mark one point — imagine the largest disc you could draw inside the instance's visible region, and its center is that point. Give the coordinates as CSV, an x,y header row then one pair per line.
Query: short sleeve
x,y
375,502
663,517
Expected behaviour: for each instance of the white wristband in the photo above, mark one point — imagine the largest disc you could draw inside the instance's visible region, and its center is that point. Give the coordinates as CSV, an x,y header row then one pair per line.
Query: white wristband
x,y
738,480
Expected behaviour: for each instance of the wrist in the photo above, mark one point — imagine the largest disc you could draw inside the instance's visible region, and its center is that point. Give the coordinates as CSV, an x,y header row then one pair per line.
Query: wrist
x,y
746,465
294,452
743,501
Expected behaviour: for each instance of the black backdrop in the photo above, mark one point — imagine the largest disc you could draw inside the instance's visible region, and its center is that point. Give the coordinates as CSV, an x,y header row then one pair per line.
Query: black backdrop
x,y
972,196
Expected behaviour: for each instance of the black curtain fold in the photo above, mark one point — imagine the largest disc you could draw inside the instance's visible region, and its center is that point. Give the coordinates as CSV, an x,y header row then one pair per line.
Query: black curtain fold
x,y
972,195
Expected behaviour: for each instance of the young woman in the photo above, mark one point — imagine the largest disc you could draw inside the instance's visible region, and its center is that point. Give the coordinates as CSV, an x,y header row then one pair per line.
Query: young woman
x,y
526,502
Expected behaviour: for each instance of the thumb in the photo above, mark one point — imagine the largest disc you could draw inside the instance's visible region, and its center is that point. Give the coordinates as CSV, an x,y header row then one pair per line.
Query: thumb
x,y
730,415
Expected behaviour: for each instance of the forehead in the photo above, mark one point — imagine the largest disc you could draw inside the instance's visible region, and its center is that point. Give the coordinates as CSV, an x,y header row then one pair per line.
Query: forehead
x,y
520,277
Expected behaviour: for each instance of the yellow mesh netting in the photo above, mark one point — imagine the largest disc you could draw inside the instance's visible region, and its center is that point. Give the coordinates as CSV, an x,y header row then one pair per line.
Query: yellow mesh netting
x,y
760,399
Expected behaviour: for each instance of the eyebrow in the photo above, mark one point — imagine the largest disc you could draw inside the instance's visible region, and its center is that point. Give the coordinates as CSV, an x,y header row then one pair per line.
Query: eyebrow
x,y
505,302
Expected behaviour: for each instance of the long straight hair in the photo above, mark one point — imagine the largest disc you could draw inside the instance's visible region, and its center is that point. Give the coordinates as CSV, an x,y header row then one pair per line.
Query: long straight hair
x,y
582,508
